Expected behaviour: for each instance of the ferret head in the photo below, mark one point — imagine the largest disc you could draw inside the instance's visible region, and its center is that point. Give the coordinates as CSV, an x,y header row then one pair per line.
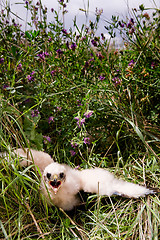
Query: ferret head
x,y
54,176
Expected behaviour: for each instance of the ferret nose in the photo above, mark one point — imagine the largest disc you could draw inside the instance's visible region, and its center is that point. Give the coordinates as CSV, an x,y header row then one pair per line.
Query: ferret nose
x,y
54,180
55,177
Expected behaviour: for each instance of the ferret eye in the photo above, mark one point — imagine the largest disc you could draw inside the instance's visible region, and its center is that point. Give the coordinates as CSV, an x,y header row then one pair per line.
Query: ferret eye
x,y
61,175
48,175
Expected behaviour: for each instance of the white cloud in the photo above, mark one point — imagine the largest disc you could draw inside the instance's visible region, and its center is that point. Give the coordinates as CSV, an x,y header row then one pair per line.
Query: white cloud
x,y
110,7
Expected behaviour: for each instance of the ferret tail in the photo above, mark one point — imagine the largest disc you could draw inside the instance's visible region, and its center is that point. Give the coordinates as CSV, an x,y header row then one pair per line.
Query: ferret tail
x,y
131,190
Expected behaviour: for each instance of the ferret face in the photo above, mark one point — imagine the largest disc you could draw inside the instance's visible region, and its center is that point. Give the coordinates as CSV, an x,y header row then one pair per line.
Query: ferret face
x,y
54,176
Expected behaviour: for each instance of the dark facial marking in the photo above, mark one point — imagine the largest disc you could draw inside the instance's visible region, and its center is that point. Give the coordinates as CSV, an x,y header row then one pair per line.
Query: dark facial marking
x,y
61,175
48,175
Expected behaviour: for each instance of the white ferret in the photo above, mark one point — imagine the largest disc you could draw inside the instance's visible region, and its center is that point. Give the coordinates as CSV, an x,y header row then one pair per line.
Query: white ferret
x,y
60,183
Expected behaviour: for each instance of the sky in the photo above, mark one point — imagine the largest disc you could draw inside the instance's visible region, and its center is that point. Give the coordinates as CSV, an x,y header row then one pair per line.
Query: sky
x,y
110,7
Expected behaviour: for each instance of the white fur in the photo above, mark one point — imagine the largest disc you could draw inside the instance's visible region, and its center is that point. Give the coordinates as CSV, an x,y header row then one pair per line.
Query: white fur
x,y
30,156
66,196
95,180
101,181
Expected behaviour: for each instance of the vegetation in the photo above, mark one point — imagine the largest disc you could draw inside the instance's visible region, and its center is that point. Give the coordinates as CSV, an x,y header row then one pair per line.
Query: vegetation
x,y
75,96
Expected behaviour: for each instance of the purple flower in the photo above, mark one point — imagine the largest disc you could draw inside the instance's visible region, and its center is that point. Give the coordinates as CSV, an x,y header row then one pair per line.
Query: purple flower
x,y
47,139
50,119
52,10
87,140
34,113
91,60
73,46
116,81
131,63
46,53
64,5
19,67
121,24
77,167
59,109
101,78
74,145
94,43
77,118
49,39
103,37
80,121
5,86
131,23
59,51
43,55
1,60
30,77
83,38
27,100
53,72
64,31
88,114
79,103
72,152
100,56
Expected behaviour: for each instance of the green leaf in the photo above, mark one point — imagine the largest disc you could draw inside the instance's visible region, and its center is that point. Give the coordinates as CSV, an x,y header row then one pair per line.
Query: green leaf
x,y
28,35
141,7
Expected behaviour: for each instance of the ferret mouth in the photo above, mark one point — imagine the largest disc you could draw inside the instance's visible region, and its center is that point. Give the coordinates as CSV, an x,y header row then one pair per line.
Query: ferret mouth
x,y
55,184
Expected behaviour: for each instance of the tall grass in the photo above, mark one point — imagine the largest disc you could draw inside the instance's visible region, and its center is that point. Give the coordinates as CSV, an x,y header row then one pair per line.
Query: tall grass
x,y
86,103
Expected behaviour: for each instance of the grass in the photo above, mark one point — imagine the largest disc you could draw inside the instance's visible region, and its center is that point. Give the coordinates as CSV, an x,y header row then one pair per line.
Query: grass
x,y
73,95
